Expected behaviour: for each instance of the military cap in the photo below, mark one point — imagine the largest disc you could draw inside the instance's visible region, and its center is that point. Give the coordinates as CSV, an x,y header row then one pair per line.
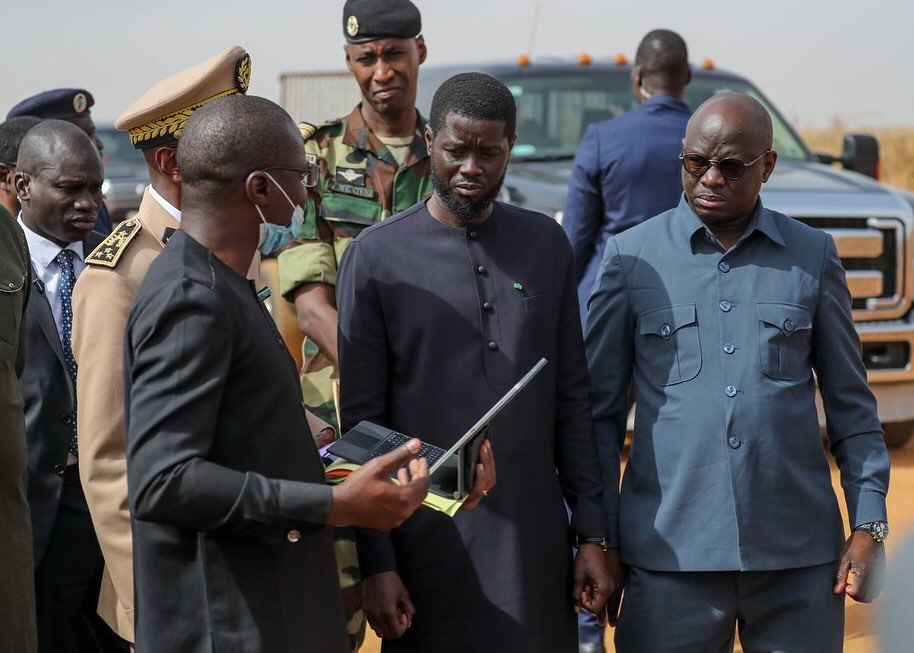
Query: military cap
x,y
160,114
59,103
370,20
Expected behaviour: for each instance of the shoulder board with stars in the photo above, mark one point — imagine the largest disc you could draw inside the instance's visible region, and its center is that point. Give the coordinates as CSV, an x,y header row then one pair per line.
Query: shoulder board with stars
x,y
110,250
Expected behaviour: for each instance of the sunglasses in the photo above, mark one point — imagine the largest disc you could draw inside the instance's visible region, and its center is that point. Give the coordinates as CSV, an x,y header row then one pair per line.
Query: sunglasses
x,y
730,168
309,175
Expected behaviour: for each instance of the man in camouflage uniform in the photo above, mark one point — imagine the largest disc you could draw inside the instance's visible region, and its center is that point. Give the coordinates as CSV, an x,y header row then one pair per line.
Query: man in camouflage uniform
x,y
374,163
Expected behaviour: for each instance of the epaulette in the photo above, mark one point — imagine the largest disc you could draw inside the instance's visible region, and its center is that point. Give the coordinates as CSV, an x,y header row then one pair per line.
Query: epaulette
x,y
307,130
110,250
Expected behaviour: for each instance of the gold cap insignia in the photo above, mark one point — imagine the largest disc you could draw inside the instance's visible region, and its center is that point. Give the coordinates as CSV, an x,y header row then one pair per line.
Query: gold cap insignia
x,y
352,26
79,102
243,73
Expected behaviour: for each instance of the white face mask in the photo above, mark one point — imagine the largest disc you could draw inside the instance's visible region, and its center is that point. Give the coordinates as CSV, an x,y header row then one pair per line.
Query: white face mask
x,y
275,236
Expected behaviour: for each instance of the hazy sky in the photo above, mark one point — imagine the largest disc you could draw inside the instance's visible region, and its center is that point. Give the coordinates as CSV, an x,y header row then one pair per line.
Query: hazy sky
x,y
816,59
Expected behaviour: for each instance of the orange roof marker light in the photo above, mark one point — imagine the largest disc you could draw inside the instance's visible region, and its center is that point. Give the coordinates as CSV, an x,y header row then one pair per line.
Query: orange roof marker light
x,y
523,60
620,59
707,63
584,59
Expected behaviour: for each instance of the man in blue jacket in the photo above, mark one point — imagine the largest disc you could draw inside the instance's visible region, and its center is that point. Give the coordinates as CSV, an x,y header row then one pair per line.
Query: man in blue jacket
x,y
722,316
626,169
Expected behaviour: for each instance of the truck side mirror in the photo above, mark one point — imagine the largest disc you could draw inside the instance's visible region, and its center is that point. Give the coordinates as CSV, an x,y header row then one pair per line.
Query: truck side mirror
x,y
861,154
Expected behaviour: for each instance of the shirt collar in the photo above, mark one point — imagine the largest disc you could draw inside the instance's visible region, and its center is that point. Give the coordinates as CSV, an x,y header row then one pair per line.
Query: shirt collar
x,y
761,221
665,102
43,251
165,204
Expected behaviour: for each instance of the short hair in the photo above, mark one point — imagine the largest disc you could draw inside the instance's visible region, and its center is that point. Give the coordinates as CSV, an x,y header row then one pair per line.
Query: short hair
x,y
12,132
663,53
41,142
474,95
228,138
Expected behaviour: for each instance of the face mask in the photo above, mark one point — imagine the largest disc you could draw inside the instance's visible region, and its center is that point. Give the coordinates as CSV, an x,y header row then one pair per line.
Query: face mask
x,y
275,236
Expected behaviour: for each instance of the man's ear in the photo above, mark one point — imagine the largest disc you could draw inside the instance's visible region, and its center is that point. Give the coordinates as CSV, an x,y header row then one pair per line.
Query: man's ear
x,y
429,137
166,159
257,188
422,48
770,161
22,181
348,58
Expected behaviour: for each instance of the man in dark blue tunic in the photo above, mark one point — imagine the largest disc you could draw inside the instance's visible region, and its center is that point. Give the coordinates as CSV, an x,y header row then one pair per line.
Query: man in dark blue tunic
x,y
442,308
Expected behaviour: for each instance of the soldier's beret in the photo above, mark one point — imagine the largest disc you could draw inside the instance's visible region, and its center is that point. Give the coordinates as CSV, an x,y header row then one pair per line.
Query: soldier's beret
x,y
370,20
160,114
59,103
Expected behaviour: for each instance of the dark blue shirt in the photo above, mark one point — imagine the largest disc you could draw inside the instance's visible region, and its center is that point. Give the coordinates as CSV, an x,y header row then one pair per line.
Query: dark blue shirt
x,y
625,171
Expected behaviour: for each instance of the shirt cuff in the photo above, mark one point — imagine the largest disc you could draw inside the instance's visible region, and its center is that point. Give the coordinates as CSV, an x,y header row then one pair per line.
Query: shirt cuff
x,y
312,262
869,506
304,503
376,551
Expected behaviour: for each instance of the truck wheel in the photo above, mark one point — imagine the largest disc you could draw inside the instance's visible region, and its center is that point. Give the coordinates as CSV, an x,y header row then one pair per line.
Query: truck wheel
x,y
898,434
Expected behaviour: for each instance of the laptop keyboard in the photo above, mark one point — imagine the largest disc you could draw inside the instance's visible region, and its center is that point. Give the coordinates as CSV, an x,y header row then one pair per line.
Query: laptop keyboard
x,y
429,451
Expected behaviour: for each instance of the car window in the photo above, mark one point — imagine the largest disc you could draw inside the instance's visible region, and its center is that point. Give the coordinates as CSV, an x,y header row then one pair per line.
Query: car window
x,y
119,151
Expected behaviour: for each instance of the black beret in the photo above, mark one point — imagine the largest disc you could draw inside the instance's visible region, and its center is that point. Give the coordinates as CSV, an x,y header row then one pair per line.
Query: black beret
x,y
370,20
60,103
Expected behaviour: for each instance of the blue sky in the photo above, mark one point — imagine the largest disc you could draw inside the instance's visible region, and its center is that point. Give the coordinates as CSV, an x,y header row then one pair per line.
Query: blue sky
x,y
817,60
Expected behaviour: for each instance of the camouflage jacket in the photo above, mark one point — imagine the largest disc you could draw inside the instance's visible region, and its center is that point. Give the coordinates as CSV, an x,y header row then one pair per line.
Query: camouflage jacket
x,y
361,184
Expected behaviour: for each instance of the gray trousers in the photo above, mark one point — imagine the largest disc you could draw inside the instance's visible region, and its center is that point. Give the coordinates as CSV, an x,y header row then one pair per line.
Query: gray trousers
x,y
789,611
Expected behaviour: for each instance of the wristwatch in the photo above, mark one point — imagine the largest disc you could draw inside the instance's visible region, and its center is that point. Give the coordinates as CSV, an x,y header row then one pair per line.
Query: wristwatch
x,y
591,540
878,529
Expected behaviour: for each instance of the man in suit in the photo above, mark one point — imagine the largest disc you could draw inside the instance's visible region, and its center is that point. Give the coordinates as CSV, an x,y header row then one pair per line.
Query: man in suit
x,y
58,179
233,545
17,595
73,105
723,315
103,296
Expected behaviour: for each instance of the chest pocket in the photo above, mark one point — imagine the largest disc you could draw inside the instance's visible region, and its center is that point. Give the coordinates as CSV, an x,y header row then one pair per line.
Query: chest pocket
x,y
669,350
785,333
12,297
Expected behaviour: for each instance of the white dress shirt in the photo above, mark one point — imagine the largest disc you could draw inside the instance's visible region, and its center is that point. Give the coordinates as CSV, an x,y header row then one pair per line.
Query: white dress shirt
x,y
165,204
43,253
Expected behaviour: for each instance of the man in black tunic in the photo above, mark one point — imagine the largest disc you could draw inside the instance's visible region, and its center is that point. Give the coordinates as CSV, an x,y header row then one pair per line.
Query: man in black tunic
x,y
442,308
233,549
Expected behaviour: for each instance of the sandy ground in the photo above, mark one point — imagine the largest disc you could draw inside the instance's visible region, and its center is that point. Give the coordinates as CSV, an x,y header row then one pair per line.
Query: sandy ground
x,y
860,636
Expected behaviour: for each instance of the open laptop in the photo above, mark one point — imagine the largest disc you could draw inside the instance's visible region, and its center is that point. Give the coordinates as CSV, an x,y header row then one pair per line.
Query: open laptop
x,y
452,471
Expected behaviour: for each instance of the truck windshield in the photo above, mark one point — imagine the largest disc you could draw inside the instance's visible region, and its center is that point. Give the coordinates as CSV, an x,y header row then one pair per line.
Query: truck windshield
x,y
554,109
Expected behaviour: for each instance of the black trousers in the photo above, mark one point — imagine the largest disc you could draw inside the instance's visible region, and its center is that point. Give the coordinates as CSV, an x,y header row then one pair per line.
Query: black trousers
x,y
67,581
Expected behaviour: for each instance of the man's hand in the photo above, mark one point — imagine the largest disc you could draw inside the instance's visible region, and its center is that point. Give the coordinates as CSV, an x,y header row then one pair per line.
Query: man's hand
x,y
386,604
369,498
617,574
485,477
324,437
593,584
861,568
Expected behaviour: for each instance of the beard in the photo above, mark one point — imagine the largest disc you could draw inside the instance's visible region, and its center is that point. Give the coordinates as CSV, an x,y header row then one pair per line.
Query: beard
x,y
464,211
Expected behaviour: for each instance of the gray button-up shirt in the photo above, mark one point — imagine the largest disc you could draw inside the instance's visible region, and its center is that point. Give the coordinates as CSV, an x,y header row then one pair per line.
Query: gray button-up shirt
x,y
727,470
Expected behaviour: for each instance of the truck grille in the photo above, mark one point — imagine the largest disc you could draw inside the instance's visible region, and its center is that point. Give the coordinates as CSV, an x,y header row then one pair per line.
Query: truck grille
x,y
872,253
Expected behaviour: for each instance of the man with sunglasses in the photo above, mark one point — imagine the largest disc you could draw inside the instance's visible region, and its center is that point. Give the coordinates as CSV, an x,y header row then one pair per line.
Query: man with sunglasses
x,y
722,315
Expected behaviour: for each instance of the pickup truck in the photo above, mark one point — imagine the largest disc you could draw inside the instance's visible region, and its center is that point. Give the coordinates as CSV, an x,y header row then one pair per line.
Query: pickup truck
x,y
872,224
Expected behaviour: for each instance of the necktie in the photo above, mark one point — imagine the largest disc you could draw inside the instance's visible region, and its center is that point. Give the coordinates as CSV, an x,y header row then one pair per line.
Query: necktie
x,y
67,281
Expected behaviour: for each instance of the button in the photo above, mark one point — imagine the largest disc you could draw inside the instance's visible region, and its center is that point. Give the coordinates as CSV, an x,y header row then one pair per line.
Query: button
x,y
726,306
788,326
734,442
487,306
293,536
665,331
481,269
493,346
473,235
66,418
11,284
730,391
729,348
723,266
59,469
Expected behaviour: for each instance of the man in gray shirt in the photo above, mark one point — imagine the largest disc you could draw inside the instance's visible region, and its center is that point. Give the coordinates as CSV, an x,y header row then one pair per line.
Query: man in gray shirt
x,y
718,313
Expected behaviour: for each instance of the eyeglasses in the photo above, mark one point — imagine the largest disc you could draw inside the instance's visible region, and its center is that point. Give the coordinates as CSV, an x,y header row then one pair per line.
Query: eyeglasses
x,y
730,168
309,175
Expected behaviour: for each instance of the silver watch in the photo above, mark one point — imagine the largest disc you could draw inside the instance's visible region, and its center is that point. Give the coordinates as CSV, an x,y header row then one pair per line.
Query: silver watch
x,y
878,529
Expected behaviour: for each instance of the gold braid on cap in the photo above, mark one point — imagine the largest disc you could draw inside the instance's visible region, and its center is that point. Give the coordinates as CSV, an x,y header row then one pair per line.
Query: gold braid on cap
x,y
171,125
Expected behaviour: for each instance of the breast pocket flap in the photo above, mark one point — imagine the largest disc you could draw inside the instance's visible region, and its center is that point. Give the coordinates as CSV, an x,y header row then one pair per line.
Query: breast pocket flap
x,y
787,318
667,320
